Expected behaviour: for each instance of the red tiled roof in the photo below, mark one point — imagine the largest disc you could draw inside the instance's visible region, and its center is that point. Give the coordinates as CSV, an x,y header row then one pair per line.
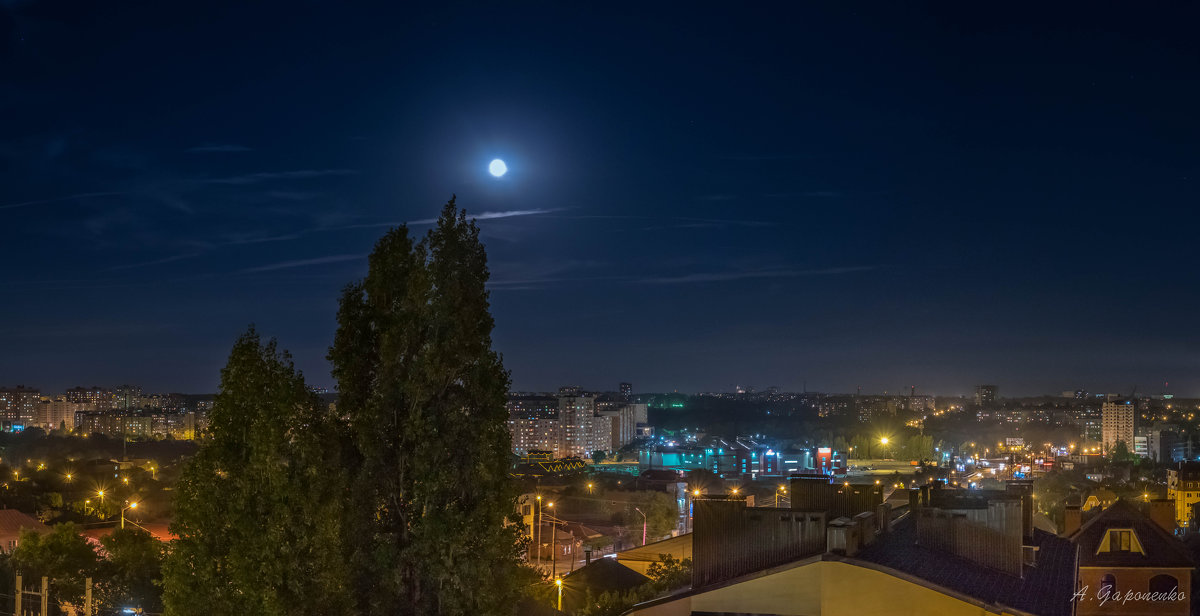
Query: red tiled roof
x,y
12,521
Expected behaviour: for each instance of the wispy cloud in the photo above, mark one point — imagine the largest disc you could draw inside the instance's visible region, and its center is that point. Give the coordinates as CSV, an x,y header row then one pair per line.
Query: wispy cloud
x,y
766,156
218,147
238,241
74,197
687,221
535,282
170,259
431,221
301,263
271,176
292,195
727,276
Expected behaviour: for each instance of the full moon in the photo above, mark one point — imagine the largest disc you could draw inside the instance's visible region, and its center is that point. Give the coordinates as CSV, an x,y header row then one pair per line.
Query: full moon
x,y
497,168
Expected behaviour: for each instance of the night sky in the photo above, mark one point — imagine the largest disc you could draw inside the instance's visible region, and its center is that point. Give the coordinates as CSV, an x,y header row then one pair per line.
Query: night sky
x,y
698,197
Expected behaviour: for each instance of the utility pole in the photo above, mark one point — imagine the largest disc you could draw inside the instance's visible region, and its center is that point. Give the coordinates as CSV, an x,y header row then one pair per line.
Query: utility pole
x,y
537,559
45,596
17,596
87,597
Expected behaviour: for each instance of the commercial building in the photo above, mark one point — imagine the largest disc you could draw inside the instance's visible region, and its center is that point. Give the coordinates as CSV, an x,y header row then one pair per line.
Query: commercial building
x,y
1117,424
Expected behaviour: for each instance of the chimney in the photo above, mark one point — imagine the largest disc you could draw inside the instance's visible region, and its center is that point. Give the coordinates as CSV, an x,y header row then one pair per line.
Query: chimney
x,y
810,494
1162,512
1072,517
1024,488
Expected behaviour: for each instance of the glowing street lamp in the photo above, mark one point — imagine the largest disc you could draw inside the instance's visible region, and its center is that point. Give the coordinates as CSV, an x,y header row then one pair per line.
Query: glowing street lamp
x,y
129,506
644,524
558,582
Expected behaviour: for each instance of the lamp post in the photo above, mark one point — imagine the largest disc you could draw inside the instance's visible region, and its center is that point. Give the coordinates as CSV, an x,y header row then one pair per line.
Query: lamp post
x,y
643,524
129,506
692,511
553,546
537,556
559,583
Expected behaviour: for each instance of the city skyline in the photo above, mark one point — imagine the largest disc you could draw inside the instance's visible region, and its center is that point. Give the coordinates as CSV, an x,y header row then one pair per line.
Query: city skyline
x,y
693,200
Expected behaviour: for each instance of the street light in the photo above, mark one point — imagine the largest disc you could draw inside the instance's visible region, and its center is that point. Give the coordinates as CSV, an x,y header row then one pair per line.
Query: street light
x,y
558,583
537,557
553,544
129,506
643,524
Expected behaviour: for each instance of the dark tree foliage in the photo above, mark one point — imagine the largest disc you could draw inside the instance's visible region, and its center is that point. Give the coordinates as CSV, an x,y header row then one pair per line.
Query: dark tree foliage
x,y
62,555
424,395
131,570
260,507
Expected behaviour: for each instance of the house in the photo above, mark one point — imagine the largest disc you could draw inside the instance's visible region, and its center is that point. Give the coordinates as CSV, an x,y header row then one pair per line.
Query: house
x,y
12,522
1128,558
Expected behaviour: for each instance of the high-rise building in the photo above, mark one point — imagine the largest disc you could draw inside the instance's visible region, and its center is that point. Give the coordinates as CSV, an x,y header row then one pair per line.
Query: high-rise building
x,y
533,423
98,397
1117,418
17,404
58,413
570,426
576,414
985,395
127,398
1090,422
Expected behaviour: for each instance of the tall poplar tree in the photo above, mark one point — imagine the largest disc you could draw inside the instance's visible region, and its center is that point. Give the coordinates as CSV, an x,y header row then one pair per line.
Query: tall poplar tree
x,y
260,508
424,395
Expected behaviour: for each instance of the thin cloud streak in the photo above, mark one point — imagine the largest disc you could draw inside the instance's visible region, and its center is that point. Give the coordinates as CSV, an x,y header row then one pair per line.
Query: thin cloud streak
x,y
729,276
171,259
707,221
10,206
430,221
218,148
541,283
271,176
301,263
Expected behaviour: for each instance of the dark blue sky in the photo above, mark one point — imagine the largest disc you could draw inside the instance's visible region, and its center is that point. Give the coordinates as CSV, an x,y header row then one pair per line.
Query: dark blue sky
x,y
842,194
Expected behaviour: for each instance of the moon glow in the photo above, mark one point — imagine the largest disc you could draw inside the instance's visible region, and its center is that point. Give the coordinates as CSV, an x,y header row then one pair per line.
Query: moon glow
x,y
497,168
